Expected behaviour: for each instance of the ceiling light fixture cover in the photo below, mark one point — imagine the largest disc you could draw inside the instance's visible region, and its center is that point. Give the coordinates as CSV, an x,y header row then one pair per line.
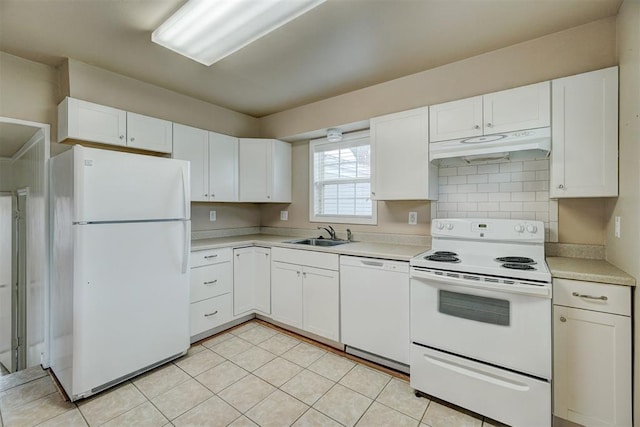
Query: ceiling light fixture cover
x,y
209,30
334,135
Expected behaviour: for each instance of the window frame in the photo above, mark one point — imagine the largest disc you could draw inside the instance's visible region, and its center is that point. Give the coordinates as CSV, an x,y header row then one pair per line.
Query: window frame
x,y
341,219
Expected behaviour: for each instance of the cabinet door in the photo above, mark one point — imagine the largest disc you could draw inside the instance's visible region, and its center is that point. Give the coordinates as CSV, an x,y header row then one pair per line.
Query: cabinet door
x,y
286,293
255,170
149,133
281,172
526,107
192,144
584,158
321,302
243,280
456,119
400,157
262,283
91,122
592,367
223,168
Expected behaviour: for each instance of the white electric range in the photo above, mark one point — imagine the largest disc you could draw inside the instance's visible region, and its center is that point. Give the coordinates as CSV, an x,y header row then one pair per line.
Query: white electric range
x,y
481,319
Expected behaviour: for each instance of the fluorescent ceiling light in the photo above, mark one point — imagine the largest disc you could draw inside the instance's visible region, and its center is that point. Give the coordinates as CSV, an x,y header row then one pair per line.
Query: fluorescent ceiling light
x,y
209,30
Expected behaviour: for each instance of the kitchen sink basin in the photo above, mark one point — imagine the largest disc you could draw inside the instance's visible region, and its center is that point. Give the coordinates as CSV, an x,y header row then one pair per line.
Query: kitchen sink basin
x,y
318,242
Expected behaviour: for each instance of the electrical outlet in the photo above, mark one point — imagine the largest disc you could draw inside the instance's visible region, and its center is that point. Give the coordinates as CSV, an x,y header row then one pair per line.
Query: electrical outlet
x,y
284,215
617,227
212,215
413,218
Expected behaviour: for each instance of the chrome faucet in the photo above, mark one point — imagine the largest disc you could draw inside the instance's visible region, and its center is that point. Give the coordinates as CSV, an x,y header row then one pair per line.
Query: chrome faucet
x,y
329,229
349,235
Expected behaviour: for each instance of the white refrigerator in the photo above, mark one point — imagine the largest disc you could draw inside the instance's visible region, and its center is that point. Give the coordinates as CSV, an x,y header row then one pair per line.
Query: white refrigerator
x,y
119,278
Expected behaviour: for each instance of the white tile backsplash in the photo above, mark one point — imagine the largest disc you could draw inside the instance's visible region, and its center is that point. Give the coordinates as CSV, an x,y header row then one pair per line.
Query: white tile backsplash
x,y
507,190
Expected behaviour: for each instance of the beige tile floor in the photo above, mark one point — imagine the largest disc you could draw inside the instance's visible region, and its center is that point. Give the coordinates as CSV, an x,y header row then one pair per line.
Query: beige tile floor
x,y
251,375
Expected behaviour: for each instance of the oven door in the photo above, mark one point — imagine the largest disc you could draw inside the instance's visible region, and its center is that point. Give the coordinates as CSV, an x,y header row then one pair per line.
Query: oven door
x,y
510,329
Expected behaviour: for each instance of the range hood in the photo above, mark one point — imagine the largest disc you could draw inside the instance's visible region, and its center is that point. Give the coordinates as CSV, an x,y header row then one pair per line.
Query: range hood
x,y
530,143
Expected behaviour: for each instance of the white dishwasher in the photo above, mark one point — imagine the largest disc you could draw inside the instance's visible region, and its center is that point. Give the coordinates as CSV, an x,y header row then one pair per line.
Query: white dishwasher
x,y
374,310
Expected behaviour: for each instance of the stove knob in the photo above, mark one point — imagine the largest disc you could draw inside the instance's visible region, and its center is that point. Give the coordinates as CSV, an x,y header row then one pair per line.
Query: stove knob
x,y
519,228
449,226
532,228
439,225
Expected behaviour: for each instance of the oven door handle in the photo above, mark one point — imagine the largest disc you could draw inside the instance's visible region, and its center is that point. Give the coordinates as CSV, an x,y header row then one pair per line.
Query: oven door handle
x,y
479,375
532,290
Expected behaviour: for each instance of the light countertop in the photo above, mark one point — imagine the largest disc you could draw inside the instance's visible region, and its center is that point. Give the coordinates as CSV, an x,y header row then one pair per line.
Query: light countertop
x,y
590,270
392,251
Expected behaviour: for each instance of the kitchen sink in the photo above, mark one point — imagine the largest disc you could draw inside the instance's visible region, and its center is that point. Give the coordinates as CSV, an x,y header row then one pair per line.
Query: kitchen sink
x,y
318,242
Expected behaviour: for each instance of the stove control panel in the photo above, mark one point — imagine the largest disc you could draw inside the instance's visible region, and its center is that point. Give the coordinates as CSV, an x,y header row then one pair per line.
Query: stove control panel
x,y
489,229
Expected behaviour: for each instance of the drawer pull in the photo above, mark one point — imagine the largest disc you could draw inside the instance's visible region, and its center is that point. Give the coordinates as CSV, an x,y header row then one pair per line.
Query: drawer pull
x,y
210,282
563,319
211,314
211,256
603,297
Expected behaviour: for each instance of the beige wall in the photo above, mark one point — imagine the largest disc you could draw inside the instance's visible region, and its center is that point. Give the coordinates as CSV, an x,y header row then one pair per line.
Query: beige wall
x,y
28,90
115,90
392,216
585,48
625,251
228,215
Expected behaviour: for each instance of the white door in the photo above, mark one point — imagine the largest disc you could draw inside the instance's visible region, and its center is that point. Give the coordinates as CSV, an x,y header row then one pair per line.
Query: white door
x,y
592,367
149,133
526,107
192,144
286,293
96,123
262,280
113,186
223,167
255,170
5,281
321,302
243,279
131,298
455,119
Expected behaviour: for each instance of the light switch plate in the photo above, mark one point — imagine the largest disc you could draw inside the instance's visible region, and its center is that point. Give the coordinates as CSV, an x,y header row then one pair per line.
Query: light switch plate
x,y
212,215
284,215
413,218
617,227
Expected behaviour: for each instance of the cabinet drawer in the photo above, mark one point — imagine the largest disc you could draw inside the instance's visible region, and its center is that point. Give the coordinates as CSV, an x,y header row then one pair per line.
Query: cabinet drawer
x,y
210,281
210,313
591,296
210,256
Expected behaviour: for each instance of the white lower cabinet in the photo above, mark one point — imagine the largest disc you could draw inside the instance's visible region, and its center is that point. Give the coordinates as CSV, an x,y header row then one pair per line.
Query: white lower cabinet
x,y
305,291
251,281
592,353
210,289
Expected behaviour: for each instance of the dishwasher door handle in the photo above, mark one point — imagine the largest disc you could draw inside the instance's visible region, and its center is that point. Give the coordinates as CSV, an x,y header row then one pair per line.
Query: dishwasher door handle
x,y
373,263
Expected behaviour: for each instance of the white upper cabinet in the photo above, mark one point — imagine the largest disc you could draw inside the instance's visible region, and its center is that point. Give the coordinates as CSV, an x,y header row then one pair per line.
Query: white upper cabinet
x,y
584,156
214,163
400,157
149,133
86,121
525,107
265,170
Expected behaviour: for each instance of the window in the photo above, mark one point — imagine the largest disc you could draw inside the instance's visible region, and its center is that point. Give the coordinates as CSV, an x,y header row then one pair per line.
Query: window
x,y
340,180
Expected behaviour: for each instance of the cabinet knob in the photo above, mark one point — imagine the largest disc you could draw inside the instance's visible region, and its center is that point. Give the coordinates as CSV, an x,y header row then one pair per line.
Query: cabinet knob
x,y
476,127
121,136
561,186
132,139
489,125
205,195
373,193
563,319
213,195
268,197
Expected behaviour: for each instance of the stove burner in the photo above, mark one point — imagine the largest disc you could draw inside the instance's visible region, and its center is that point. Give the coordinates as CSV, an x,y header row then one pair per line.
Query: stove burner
x,y
448,253
516,260
443,257
518,266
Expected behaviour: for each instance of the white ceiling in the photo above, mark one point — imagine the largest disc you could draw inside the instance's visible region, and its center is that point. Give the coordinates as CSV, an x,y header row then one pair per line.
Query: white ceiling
x,y
341,46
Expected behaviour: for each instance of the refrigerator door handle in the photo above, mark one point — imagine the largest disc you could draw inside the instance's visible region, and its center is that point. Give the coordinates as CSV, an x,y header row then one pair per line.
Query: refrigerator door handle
x,y
187,246
185,191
